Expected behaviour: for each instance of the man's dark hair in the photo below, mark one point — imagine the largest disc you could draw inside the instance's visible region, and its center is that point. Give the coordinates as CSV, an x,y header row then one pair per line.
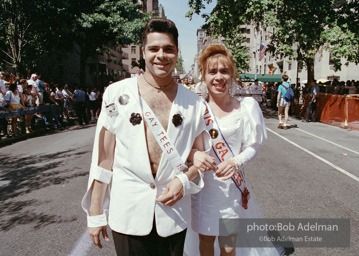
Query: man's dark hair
x,y
29,86
285,78
160,26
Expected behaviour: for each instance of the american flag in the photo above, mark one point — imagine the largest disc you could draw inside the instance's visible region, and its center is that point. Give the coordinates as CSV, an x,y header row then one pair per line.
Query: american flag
x,y
262,51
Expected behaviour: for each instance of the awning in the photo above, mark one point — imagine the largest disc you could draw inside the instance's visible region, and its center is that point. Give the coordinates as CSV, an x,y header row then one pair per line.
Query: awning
x,y
261,77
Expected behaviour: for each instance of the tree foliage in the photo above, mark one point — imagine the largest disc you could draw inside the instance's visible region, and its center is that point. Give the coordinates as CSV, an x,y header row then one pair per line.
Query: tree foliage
x,y
301,27
179,65
29,29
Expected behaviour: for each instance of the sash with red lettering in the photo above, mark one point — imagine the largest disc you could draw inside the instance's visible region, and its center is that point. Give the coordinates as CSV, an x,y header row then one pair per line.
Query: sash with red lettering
x,y
224,152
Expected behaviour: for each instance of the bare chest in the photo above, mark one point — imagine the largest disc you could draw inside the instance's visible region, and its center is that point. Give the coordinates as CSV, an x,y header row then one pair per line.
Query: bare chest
x,y
161,106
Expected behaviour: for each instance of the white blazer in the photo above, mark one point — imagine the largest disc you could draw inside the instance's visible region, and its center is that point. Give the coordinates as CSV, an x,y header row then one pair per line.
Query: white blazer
x,y
133,190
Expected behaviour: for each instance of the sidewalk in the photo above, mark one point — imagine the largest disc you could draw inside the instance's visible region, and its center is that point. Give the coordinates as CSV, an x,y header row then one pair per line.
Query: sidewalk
x,y
42,132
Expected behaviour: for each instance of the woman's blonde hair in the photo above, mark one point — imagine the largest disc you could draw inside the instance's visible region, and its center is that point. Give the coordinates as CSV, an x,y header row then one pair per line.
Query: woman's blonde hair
x,y
213,53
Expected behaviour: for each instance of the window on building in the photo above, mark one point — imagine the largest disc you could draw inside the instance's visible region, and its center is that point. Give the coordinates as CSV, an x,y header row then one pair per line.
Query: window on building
x,y
248,40
248,31
289,66
133,62
133,49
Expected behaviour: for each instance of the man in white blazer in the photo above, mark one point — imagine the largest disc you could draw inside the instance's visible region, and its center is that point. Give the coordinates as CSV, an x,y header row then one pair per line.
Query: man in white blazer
x,y
132,178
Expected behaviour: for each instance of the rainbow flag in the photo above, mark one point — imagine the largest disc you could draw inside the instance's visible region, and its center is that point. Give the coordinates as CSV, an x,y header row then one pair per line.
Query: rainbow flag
x,y
272,70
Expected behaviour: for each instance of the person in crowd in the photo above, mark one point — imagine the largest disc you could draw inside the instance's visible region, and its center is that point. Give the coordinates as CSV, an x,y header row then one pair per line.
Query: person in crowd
x,y
4,84
3,120
40,85
264,94
351,87
87,102
67,101
80,105
60,100
35,91
149,203
256,86
99,102
282,104
186,84
93,95
238,126
22,86
28,101
12,98
356,83
199,88
191,83
53,116
313,100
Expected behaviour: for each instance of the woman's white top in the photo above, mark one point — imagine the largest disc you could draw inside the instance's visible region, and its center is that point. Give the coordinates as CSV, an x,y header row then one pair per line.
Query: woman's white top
x,y
12,98
92,96
245,131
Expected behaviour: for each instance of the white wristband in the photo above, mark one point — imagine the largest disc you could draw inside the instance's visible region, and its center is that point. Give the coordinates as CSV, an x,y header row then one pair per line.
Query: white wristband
x,y
185,182
190,187
101,174
97,220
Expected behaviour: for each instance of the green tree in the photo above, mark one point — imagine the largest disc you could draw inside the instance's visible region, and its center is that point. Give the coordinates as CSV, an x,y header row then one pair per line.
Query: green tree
x,y
30,29
234,43
179,65
301,27
109,23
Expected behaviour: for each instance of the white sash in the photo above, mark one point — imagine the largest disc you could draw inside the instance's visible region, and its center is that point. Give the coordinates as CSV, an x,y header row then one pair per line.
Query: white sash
x,y
168,149
224,152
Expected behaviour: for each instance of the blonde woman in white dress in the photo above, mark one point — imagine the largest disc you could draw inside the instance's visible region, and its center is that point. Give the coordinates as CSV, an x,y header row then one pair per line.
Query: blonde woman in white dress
x,y
242,126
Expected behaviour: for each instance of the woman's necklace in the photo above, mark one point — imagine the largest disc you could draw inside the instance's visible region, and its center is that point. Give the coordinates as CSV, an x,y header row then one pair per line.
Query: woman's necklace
x,y
157,86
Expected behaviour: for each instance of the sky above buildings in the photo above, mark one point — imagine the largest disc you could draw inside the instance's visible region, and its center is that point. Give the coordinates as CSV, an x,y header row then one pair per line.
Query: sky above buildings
x,y
176,10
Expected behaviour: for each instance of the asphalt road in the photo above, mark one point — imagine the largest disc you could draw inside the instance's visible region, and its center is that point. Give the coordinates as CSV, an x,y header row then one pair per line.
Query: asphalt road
x,y
303,172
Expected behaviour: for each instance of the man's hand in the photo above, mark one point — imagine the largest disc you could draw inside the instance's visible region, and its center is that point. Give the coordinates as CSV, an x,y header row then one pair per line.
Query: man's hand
x,y
172,194
95,235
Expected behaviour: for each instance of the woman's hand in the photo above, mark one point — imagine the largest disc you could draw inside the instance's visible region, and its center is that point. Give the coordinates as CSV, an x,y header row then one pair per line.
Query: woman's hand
x,y
226,169
203,161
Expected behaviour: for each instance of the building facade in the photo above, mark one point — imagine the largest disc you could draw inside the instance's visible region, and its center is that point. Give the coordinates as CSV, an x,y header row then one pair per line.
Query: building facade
x,y
323,63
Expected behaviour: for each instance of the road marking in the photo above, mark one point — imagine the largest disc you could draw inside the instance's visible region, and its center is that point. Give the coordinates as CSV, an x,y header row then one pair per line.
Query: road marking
x,y
335,144
316,156
82,246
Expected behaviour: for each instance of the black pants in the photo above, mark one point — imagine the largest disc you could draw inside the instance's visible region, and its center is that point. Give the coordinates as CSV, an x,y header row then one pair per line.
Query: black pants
x,y
3,125
150,245
311,107
80,112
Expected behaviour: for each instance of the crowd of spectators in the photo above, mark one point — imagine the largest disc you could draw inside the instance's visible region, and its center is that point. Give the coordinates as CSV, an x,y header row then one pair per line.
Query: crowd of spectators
x,y
270,90
66,104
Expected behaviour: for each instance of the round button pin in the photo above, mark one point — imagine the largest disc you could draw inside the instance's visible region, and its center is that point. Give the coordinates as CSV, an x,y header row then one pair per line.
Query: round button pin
x,y
124,99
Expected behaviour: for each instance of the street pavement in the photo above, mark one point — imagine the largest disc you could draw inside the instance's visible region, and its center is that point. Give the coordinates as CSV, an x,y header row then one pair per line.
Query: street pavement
x,y
308,171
